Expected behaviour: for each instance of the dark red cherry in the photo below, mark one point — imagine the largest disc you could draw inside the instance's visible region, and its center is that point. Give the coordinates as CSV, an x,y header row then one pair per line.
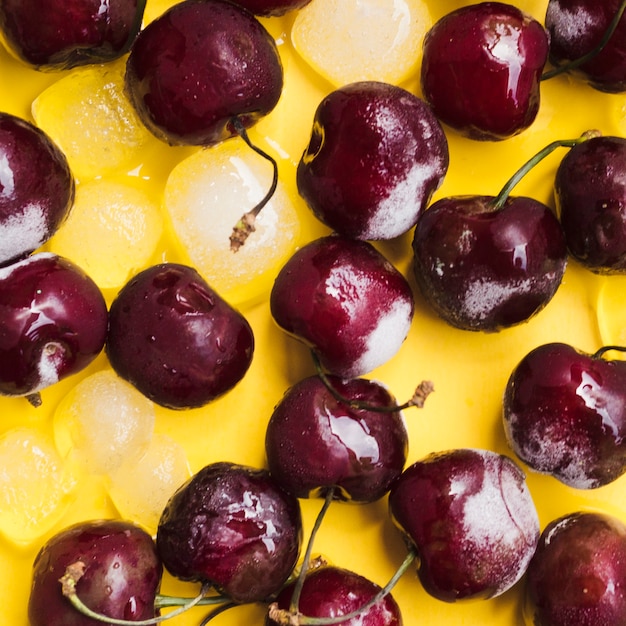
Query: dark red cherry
x,y
481,69
578,573
53,323
483,268
175,339
271,8
121,578
346,301
200,65
234,527
315,442
330,592
565,414
472,520
61,34
590,192
376,155
578,28
36,187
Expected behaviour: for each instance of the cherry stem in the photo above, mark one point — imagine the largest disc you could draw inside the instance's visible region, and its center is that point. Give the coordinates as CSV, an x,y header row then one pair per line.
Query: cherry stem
x,y
503,196
602,351
35,399
297,589
422,391
290,619
246,225
571,65
217,611
75,571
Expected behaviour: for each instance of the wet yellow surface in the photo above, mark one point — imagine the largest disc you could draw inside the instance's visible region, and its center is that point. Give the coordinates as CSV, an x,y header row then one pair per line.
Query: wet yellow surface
x,y
469,370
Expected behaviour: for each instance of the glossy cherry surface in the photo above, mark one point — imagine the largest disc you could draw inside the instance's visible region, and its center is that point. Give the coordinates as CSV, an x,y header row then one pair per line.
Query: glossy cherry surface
x,y
233,526
36,187
122,574
472,520
271,8
578,573
175,339
333,591
315,442
481,69
53,323
376,155
485,269
68,33
577,28
590,192
198,66
346,301
565,415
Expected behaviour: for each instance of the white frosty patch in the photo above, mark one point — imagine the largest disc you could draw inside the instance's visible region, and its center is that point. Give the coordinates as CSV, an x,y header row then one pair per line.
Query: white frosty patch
x,y
23,233
569,24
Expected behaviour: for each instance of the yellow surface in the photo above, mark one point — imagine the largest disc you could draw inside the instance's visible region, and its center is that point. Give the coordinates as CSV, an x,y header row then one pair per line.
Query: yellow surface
x,y
469,370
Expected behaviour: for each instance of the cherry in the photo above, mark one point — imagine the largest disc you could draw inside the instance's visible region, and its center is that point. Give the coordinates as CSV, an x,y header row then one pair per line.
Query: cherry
x,y
234,527
472,521
331,592
376,155
36,187
590,192
578,573
588,38
485,263
481,69
565,414
315,442
346,301
69,33
175,339
119,574
53,324
271,8
198,67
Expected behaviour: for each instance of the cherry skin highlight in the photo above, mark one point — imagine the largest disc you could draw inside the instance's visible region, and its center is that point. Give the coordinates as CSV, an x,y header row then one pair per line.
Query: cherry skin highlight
x,y
565,415
200,65
315,442
175,339
122,574
481,69
234,527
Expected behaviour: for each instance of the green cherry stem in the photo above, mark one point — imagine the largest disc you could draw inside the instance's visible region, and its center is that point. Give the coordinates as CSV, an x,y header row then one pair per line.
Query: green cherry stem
x,y
246,224
571,65
602,351
503,196
422,391
75,571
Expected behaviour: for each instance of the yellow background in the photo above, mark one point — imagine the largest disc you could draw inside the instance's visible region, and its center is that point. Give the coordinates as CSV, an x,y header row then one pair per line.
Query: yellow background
x,y
469,370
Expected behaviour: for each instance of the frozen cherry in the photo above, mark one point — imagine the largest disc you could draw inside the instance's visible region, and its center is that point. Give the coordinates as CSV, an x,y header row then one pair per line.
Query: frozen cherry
x,y
36,187
330,592
175,339
53,323
68,33
315,442
578,29
376,155
198,67
481,69
590,192
346,301
565,414
578,573
119,574
472,520
271,8
234,527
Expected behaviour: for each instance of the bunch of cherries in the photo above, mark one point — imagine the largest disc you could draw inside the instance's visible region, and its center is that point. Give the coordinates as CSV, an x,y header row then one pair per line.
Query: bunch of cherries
x,y
376,156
